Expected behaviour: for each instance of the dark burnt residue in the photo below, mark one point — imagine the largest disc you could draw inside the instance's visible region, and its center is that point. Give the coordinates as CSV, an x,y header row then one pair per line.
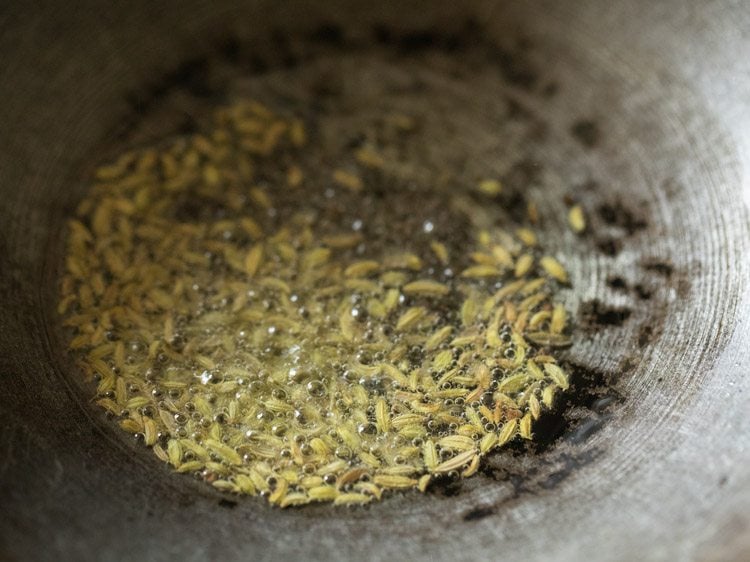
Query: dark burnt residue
x,y
478,513
191,76
617,283
618,215
515,67
610,247
410,42
642,292
586,132
596,314
329,33
517,109
645,335
663,268
550,90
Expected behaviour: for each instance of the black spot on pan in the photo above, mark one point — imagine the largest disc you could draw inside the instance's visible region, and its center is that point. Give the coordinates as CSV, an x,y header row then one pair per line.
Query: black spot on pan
x,y
478,513
618,215
661,267
644,336
609,246
329,33
642,292
429,38
595,313
586,132
617,283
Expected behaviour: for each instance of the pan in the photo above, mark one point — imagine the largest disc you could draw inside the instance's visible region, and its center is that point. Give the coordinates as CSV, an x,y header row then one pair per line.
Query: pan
x,y
639,110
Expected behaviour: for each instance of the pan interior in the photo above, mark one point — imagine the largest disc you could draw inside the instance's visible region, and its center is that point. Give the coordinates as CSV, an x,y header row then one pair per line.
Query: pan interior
x,y
553,109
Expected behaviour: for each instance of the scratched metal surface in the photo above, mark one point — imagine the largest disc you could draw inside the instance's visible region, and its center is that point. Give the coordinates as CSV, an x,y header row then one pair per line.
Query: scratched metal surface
x,y
639,109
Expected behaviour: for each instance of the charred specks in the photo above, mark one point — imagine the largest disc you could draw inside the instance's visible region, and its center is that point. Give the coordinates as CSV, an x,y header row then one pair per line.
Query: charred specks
x,y
228,504
617,283
515,67
446,486
550,90
660,267
586,132
642,292
587,386
191,76
645,336
329,33
609,246
283,49
231,50
596,314
517,110
550,426
522,174
328,85
617,215
639,289
429,38
478,513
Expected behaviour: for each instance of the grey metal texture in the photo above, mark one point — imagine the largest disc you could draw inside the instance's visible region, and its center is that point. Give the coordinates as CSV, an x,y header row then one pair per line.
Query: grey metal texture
x,y
649,107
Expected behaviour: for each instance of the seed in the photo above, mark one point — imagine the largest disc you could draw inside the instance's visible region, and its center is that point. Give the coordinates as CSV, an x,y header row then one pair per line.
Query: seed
x,y
388,481
362,268
548,395
224,451
410,318
477,271
423,482
507,432
440,251
526,236
534,406
554,268
559,316
457,442
523,265
456,462
292,499
490,187
488,442
368,157
524,427
557,375
472,468
382,415
323,493
549,340
352,498
253,260
425,287
348,180
576,219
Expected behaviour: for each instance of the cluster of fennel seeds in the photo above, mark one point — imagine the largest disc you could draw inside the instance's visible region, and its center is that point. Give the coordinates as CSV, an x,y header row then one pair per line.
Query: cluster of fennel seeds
x,y
269,357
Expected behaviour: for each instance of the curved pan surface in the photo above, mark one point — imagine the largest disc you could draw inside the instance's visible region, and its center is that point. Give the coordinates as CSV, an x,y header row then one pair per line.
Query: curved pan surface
x,y
644,113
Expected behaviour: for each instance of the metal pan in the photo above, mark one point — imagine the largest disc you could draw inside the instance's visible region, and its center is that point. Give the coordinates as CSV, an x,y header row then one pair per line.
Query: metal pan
x,y
646,105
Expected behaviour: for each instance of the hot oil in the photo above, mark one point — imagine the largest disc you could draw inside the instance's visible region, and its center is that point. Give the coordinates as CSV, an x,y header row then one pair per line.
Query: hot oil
x,y
306,299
